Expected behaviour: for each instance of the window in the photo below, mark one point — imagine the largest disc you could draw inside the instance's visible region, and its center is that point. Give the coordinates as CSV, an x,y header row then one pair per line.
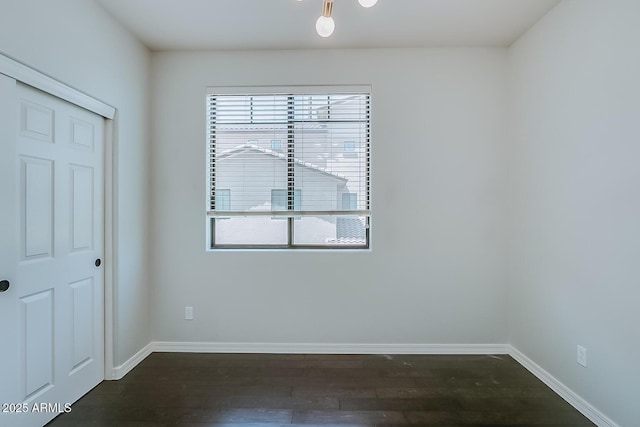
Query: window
x,y
350,149
303,177
223,198
276,144
349,201
279,200
349,146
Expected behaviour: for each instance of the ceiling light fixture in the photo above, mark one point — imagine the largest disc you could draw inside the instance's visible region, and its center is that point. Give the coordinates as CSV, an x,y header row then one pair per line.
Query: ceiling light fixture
x,y
325,23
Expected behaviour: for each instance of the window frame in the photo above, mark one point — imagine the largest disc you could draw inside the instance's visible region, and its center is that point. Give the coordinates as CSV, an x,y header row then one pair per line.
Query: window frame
x,y
290,213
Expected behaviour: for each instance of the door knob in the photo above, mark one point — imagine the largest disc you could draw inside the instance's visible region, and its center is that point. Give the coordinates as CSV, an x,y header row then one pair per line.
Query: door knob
x,y
98,262
4,285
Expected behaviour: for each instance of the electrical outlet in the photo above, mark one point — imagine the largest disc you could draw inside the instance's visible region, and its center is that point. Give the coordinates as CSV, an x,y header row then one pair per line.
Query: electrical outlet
x,y
188,313
582,356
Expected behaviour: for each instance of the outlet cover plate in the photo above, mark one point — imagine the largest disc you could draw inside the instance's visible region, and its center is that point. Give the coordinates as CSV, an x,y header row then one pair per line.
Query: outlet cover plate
x,y
188,313
582,356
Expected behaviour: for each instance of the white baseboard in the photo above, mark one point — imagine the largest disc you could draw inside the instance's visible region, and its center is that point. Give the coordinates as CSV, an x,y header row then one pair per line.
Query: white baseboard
x,y
213,347
122,370
562,390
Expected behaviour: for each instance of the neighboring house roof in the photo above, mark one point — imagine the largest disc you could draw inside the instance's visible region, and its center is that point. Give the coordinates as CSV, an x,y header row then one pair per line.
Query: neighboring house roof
x,y
350,230
244,148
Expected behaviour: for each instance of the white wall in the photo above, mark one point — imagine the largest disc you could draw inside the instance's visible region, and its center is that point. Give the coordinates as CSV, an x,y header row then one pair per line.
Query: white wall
x,y
435,274
76,42
575,276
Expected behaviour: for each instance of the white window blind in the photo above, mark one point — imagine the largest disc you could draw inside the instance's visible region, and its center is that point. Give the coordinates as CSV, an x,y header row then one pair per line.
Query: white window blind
x,y
308,171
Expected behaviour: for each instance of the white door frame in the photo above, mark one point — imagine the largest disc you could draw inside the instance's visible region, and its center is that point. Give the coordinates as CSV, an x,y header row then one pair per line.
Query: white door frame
x,y
29,76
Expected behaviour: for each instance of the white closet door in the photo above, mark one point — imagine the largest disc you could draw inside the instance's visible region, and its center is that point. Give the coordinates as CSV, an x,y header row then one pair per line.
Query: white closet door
x,y
51,238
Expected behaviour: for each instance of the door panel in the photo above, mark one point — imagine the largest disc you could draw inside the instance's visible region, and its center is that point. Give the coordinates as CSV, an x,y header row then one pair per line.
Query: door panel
x,y
82,323
37,332
82,201
36,121
51,166
82,134
36,208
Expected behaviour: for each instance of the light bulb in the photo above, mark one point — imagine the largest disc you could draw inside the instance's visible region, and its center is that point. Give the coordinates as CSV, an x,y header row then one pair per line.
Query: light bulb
x,y
325,26
367,3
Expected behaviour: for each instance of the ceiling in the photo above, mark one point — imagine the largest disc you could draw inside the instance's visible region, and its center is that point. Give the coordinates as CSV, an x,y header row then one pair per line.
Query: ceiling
x,y
290,24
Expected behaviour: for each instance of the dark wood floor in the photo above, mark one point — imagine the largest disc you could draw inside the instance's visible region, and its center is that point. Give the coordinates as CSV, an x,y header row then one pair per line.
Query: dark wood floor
x,y
178,389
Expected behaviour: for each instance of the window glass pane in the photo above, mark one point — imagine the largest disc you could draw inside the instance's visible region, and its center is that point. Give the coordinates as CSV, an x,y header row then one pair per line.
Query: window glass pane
x,y
324,170
250,231
330,231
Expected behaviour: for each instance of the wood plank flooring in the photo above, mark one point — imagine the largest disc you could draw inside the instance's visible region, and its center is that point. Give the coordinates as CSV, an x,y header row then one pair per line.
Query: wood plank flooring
x,y
198,390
